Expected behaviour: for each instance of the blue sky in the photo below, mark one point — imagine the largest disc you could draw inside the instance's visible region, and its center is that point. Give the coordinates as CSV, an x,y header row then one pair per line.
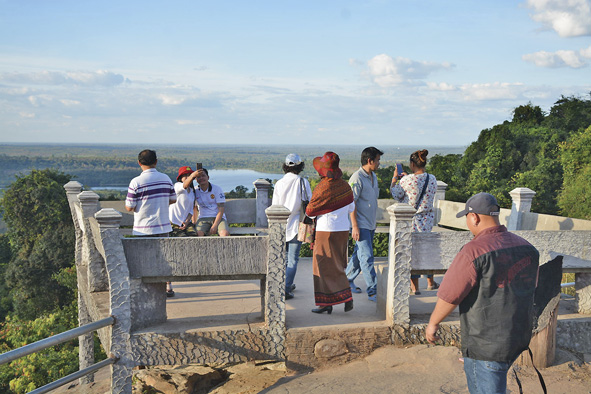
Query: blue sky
x,y
283,72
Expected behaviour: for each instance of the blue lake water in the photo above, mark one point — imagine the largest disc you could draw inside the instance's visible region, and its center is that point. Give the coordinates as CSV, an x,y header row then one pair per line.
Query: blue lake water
x,y
226,179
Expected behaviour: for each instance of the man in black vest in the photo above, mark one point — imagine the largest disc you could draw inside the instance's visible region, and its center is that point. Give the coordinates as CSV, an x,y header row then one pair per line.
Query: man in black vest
x,y
492,279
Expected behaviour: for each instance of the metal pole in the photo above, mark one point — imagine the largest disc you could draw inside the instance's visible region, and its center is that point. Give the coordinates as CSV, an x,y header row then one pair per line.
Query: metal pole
x,y
55,340
76,375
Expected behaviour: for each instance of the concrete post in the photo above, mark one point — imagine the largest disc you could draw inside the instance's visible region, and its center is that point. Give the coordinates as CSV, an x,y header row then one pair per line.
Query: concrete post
x,y
85,342
439,195
91,258
119,298
522,198
583,290
275,292
399,255
262,187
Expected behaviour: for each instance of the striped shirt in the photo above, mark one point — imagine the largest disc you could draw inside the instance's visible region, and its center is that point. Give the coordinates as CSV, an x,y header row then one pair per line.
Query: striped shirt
x,y
149,194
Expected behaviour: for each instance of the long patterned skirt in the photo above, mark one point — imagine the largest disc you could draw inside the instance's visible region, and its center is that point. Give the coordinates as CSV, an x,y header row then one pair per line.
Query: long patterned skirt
x,y
331,285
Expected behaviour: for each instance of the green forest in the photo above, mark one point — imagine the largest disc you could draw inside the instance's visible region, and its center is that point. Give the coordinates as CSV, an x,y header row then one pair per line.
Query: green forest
x,y
549,153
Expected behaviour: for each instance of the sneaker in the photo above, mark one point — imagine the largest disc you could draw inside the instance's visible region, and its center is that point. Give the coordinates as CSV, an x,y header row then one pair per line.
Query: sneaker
x,y
373,298
354,289
289,296
293,287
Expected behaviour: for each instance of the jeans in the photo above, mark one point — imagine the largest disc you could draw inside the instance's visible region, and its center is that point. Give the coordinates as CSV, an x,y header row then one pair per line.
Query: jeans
x,y
486,377
293,256
361,261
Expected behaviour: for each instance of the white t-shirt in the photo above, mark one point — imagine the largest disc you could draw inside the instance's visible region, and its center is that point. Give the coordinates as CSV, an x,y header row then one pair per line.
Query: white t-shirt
x,y
149,194
208,201
183,207
287,192
336,220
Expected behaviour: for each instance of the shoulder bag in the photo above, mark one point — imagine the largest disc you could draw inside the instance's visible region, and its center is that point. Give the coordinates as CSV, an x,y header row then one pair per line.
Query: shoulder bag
x,y
307,225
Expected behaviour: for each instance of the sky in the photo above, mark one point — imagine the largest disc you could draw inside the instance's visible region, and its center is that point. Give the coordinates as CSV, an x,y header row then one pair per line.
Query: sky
x,y
357,72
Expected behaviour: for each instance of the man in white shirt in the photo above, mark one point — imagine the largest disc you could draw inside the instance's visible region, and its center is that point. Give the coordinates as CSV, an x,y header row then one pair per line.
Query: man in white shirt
x,y
289,191
210,201
148,197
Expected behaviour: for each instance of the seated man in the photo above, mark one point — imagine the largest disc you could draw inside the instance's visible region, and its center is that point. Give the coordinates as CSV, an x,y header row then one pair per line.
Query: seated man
x,y
209,201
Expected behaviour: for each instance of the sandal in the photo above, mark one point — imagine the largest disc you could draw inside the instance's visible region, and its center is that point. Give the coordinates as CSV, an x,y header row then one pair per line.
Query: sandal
x,y
170,293
434,287
415,292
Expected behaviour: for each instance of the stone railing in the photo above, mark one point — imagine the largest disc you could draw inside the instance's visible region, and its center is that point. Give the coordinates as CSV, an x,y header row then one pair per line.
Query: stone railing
x,y
125,278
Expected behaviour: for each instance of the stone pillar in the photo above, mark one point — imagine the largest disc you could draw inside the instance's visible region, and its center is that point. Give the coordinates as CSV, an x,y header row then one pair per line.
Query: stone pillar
x,y
85,342
91,258
275,283
522,198
399,255
583,293
439,195
119,298
262,187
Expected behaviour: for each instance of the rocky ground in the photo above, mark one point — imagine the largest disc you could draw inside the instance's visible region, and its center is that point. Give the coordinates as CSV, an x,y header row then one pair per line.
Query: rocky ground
x,y
416,369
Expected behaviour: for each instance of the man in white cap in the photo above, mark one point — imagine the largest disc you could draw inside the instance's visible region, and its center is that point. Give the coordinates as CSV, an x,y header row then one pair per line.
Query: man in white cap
x,y
493,280
290,191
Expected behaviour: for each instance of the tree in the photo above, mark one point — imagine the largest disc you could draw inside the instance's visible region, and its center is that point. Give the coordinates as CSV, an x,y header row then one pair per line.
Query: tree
x,y
41,235
574,198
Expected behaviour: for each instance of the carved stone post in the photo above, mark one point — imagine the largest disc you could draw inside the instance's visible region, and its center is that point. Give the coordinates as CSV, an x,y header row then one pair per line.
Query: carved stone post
x,y
399,254
275,291
85,342
522,198
97,274
583,289
119,297
262,187
439,195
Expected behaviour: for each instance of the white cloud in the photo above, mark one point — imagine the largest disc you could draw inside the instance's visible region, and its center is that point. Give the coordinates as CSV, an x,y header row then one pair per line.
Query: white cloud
x,y
569,18
53,78
170,100
492,91
386,71
573,59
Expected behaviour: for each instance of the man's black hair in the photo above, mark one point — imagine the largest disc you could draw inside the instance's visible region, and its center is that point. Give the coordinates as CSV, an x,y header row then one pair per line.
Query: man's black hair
x,y
370,153
147,157
295,169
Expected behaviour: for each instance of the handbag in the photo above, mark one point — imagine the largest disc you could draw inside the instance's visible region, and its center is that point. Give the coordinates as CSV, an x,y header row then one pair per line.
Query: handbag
x,y
307,225
306,232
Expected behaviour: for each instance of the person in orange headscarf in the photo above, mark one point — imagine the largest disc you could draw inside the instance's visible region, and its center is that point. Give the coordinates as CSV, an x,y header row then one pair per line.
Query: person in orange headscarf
x,y
331,204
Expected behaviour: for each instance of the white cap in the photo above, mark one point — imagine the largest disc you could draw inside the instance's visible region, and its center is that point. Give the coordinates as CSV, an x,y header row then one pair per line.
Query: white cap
x,y
292,160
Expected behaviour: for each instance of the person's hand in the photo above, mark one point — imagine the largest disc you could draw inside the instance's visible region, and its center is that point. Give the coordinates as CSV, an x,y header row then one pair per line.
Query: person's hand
x,y
431,333
355,233
213,230
183,226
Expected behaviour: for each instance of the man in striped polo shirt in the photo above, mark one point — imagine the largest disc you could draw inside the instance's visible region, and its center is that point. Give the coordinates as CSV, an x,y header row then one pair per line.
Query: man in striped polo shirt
x,y
148,197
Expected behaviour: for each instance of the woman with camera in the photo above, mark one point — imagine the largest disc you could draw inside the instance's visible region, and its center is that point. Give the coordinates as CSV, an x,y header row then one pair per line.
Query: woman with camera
x,y
417,189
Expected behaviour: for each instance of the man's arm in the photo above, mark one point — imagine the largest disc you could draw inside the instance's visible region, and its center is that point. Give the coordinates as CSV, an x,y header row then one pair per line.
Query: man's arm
x,y
354,226
129,209
441,311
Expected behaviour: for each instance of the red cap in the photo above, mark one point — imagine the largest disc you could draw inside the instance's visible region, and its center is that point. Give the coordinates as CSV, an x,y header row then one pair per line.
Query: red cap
x,y
183,171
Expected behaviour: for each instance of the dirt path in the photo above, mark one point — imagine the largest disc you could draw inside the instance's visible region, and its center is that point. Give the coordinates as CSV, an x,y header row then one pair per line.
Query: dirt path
x,y
417,369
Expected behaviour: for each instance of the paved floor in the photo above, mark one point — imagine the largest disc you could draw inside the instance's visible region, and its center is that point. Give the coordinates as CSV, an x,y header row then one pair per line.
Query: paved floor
x,y
231,303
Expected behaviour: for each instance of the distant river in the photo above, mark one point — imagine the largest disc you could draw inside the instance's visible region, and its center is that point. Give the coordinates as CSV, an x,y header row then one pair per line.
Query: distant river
x,y
226,179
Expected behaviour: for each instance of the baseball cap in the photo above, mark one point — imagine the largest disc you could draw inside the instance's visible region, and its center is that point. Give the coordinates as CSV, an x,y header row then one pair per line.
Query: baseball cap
x,y
481,203
185,170
292,160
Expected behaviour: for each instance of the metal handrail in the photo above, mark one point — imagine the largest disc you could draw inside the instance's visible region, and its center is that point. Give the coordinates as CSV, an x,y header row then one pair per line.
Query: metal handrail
x,y
73,376
55,340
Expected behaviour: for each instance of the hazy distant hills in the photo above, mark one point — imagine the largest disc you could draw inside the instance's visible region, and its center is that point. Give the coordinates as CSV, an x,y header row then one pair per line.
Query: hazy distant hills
x,y
115,165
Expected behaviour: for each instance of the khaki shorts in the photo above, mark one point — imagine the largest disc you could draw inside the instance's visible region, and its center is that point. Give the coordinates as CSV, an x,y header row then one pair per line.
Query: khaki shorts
x,y
204,225
189,231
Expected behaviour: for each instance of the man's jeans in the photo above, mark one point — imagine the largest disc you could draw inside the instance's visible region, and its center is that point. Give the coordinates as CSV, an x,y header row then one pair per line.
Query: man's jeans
x,y
361,261
486,377
293,256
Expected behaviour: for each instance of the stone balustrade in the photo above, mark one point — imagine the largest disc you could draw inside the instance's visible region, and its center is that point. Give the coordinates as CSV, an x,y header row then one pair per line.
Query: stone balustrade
x,y
125,277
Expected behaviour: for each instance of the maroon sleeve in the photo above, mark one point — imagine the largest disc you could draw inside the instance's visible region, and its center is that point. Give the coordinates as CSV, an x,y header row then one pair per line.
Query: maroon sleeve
x,y
459,279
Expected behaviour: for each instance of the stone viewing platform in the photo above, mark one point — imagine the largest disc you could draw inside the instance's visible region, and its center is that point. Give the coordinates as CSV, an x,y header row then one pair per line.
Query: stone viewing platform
x,y
230,304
